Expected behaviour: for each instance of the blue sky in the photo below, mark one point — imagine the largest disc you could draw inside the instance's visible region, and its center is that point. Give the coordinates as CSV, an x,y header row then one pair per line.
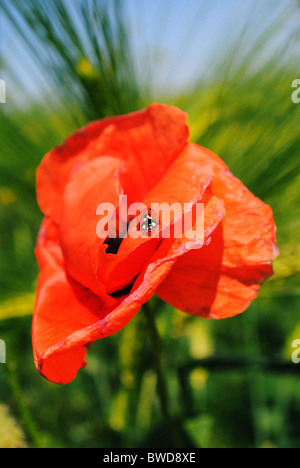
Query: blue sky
x,y
175,41
184,38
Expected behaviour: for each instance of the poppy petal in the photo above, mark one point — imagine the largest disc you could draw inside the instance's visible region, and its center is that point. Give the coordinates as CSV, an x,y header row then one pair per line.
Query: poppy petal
x,y
185,182
199,283
96,182
249,229
222,278
62,307
149,140
67,316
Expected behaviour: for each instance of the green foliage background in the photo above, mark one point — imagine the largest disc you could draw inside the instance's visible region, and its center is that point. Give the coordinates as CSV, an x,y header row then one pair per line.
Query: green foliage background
x,y
230,383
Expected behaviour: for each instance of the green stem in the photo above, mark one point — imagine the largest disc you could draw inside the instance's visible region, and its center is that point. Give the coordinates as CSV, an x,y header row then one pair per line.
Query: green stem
x,y
161,385
27,421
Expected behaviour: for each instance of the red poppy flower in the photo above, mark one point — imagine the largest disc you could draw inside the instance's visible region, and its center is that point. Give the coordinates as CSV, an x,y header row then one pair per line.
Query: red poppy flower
x,y
89,288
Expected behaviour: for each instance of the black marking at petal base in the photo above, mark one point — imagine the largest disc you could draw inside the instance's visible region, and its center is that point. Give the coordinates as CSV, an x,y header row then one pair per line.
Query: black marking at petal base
x,y
113,244
122,292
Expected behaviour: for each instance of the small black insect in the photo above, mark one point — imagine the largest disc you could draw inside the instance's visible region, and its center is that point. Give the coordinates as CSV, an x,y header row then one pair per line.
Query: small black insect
x,y
148,223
